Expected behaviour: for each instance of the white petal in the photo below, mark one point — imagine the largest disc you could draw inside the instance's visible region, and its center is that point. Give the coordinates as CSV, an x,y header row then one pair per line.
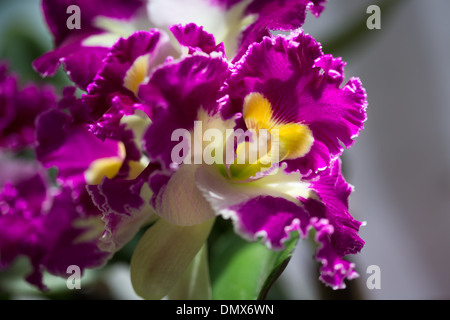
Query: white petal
x,y
181,202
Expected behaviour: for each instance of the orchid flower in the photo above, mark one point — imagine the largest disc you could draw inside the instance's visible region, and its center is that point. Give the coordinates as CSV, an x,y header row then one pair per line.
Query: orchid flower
x,y
18,109
283,84
49,225
55,225
193,111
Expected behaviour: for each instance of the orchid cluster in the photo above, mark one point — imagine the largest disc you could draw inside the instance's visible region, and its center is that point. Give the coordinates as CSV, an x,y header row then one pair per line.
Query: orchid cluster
x,y
143,70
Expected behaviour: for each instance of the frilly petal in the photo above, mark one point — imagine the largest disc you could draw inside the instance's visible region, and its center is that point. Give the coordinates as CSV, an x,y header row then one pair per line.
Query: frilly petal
x,y
303,86
109,83
196,39
271,208
53,228
81,61
275,15
19,108
331,204
236,23
70,147
55,14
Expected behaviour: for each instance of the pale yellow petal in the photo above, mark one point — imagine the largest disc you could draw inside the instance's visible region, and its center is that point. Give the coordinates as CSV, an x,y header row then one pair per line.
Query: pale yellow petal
x,y
163,255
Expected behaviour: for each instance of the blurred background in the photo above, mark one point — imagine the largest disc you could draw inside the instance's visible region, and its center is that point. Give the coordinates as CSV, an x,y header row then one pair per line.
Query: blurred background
x,y
400,164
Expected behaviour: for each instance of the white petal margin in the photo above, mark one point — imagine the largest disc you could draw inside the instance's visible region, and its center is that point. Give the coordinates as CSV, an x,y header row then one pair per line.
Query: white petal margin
x,y
181,202
222,193
163,256
225,24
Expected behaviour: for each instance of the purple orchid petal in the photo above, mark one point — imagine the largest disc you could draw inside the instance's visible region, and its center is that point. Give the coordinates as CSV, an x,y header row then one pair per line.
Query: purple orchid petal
x,y
20,222
54,230
70,146
196,39
334,191
270,218
125,207
109,82
315,6
271,208
71,103
275,15
178,91
334,270
303,86
118,195
274,219
266,208
55,13
236,23
19,108
81,62
120,229
67,244
15,169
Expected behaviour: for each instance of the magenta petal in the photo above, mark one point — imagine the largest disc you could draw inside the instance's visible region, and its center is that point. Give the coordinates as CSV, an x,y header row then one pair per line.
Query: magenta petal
x,y
334,192
303,86
19,108
334,270
178,91
21,222
55,13
125,207
273,219
196,39
63,247
119,196
69,146
275,15
108,84
81,63
270,218
44,225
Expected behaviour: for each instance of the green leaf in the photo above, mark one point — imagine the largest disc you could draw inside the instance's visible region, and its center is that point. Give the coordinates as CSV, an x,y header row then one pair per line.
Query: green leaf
x,y
242,270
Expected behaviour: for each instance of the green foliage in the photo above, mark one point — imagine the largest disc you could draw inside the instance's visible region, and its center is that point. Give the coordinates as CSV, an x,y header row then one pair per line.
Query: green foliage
x,y
242,270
